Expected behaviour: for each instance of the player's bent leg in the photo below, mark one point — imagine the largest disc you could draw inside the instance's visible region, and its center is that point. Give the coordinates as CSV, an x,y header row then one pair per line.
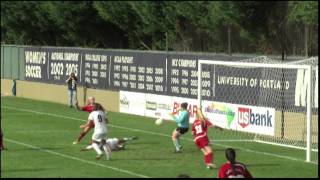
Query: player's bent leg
x,y
96,147
128,138
208,157
82,134
87,148
176,142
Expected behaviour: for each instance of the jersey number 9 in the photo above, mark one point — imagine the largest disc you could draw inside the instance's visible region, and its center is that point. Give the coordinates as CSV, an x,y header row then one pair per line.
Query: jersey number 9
x,y
99,118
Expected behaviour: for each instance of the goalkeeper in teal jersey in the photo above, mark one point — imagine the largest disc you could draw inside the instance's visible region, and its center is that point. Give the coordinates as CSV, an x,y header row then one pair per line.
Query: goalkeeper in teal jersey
x,y
183,126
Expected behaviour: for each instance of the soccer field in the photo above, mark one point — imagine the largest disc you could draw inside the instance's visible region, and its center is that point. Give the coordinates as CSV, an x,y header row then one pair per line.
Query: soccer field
x,y
39,138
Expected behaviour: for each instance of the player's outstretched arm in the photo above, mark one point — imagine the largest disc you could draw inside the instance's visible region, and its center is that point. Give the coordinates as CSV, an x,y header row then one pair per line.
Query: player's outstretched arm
x,y
86,128
77,106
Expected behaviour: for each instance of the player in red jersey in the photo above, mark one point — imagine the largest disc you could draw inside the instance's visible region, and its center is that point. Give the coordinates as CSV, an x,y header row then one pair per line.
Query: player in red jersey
x,y
88,108
199,131
233,169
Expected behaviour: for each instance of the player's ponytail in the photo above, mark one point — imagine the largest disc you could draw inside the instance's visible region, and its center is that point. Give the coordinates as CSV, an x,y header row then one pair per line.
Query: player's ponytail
x,y
231,156
98,107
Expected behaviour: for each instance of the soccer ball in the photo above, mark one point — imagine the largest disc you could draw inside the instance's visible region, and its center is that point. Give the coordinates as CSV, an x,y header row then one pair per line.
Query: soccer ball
x,y
159,121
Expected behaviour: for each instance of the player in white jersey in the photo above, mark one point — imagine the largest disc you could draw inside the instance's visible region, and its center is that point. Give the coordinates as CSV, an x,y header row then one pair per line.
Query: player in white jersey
x,y
115,144
98,121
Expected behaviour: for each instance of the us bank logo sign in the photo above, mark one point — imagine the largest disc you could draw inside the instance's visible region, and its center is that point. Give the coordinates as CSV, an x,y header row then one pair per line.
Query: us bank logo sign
x,y
256,120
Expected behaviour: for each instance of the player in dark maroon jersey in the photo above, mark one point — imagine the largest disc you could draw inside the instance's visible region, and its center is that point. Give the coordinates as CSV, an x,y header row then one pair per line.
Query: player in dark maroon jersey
x,y
233,169
199,131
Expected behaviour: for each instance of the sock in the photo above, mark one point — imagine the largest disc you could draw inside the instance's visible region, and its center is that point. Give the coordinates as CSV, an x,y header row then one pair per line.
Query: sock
x,y
177,144
89,147
95,146
127,139
107,150
208,158
82,134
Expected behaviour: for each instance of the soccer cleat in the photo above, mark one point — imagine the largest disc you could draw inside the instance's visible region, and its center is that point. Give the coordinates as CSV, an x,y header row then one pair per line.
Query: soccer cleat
x,y
99,156
177,151
84,149
75,142
211,166
134,138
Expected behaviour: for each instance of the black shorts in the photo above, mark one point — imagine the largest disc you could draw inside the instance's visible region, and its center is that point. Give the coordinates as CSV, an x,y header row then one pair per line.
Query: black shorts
x,y
182,130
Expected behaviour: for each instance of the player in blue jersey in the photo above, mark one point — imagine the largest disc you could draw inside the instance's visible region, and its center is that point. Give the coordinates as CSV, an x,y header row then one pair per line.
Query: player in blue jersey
x,y
182,120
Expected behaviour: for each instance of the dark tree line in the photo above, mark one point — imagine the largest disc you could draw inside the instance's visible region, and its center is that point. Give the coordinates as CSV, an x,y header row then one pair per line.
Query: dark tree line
x,y
273,27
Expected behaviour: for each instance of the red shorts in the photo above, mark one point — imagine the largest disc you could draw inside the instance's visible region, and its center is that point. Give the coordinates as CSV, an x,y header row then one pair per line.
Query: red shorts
x,y
202,142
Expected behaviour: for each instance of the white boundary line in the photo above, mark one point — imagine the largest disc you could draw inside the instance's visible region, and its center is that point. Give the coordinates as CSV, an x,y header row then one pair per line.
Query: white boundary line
x,y
164,135
290,146
75,158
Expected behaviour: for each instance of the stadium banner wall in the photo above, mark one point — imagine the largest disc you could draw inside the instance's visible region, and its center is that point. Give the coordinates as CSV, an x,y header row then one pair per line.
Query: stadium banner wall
x,y
168,74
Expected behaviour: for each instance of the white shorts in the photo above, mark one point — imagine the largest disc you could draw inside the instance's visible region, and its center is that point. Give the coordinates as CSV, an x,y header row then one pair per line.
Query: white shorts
x,y
113,143
99,137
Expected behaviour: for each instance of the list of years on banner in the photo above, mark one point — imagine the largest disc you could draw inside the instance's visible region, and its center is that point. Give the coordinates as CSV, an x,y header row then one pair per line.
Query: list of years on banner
x,y
95,69
129,75
184,78
62,64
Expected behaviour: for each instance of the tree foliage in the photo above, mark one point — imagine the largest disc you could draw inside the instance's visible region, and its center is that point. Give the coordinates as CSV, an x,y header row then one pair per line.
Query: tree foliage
x,y
256,26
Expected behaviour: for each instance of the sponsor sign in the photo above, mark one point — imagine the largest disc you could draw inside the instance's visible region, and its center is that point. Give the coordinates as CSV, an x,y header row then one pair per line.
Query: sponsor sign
x,y
252,119
158,106
192,106
132,103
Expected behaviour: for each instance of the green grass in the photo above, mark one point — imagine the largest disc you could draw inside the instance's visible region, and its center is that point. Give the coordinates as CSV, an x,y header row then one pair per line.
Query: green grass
x,y
40,145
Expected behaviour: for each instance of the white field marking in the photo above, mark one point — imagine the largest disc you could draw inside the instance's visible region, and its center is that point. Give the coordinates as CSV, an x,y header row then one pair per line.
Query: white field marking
x,y
75,158
45,131
290,146
166,135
